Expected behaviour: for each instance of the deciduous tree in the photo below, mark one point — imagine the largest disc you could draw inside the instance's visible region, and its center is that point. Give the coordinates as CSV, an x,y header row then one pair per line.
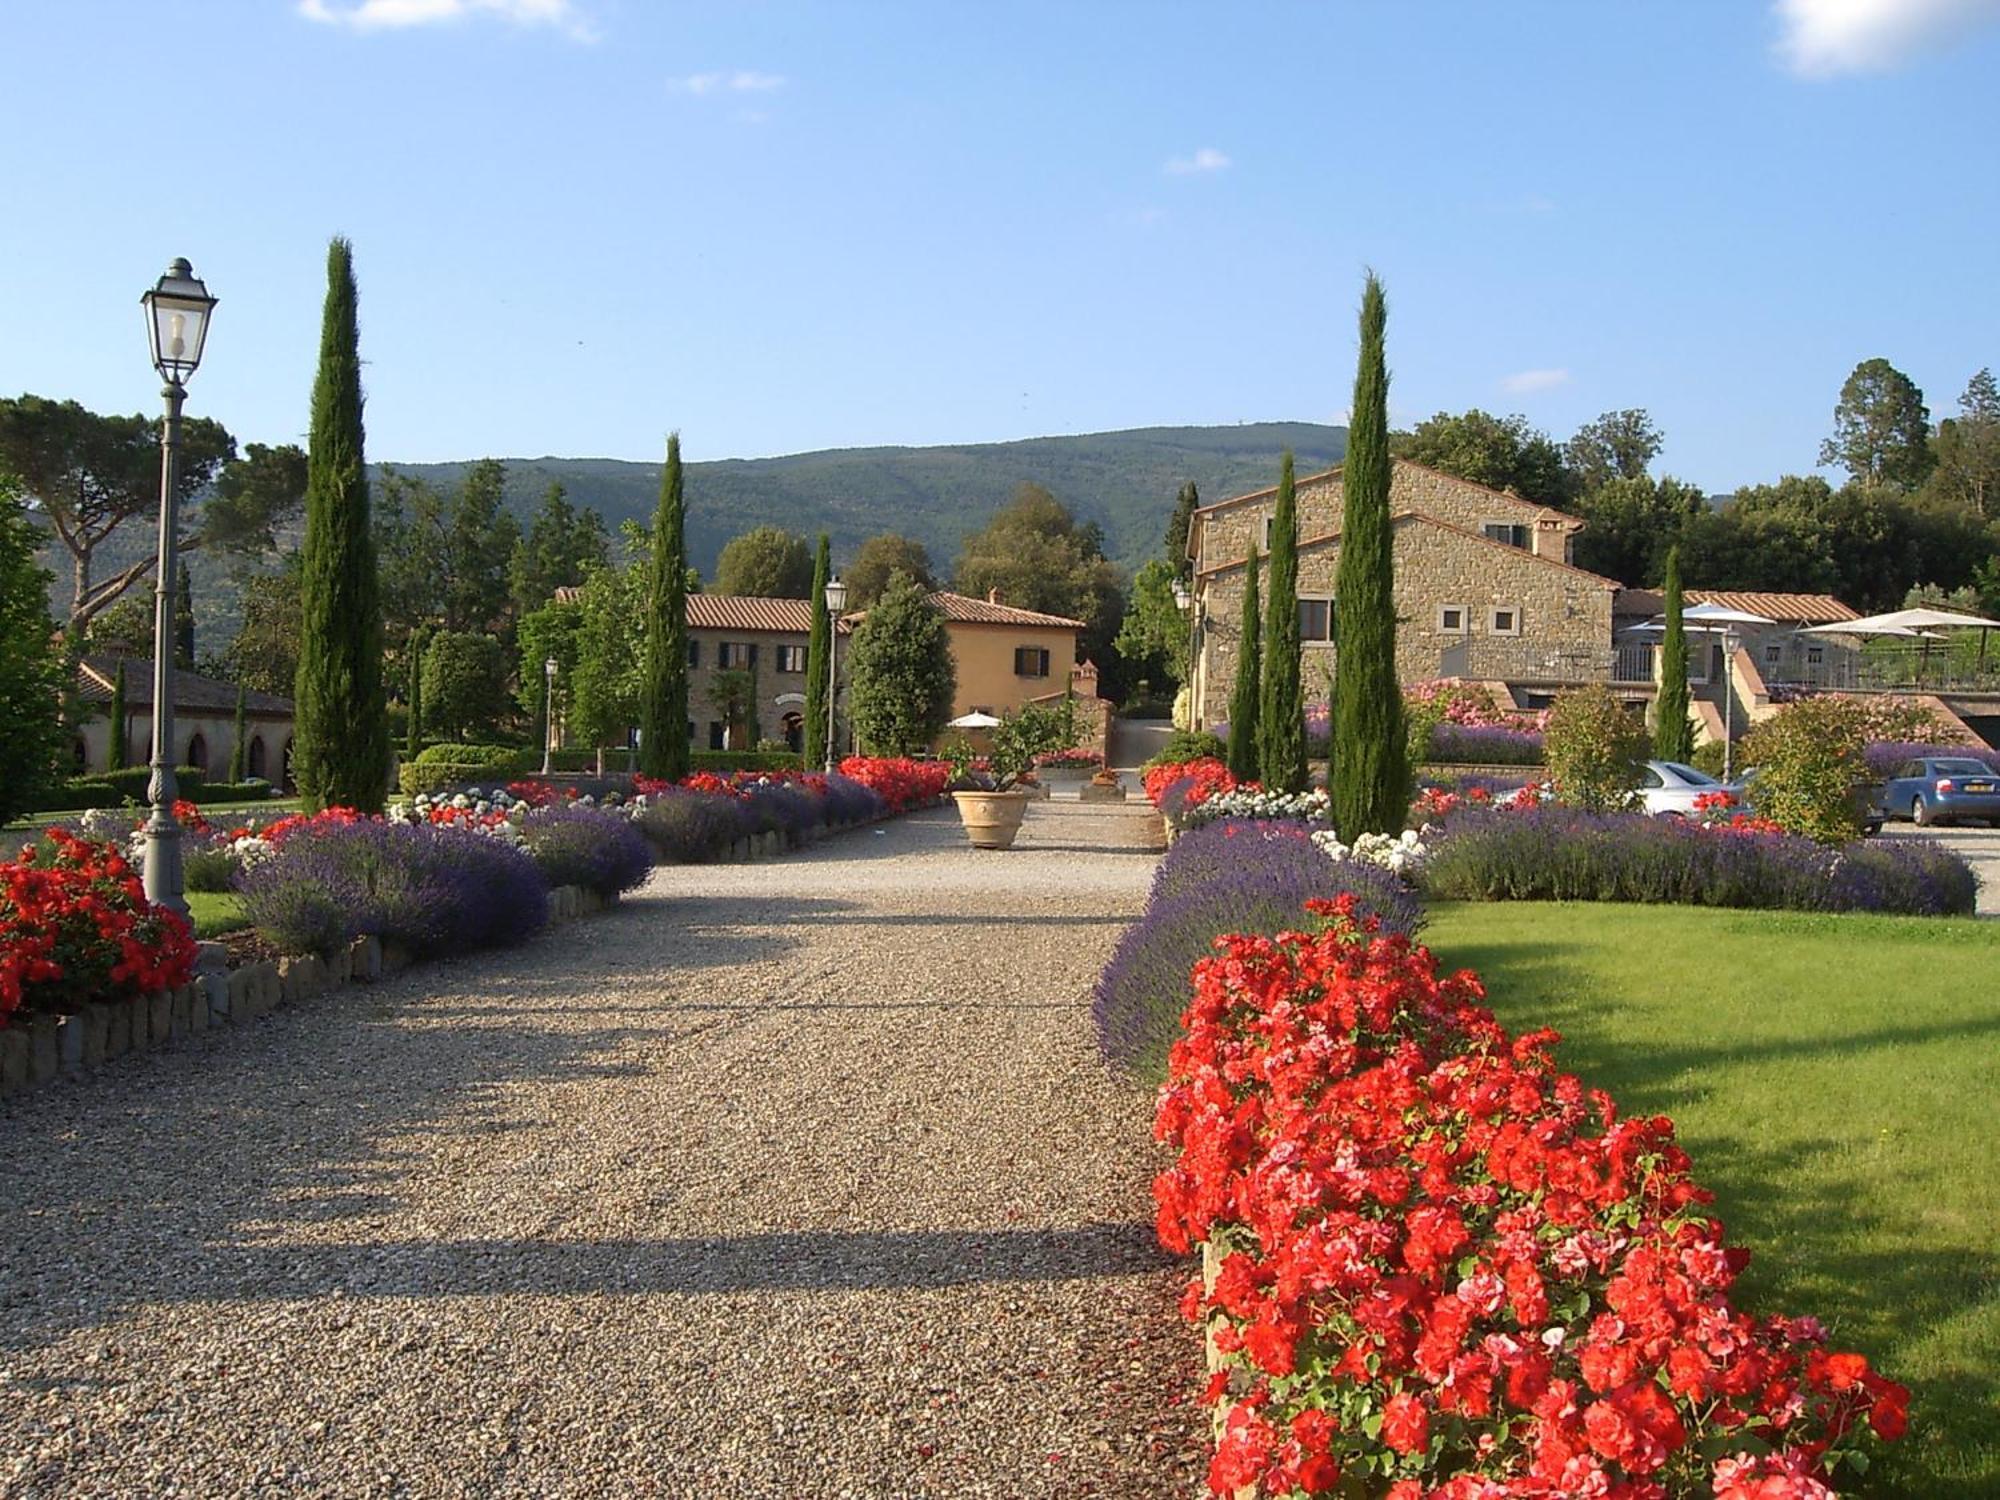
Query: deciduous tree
x,y
31,667
881,555
1503,453
900,674
1881,428
766,562
1613,445
1968,449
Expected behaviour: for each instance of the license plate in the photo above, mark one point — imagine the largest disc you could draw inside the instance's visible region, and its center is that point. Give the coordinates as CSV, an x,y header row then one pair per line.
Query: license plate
x,y
1979,786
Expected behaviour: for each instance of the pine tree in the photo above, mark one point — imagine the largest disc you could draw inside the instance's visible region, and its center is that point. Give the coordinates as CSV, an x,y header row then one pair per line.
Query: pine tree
x,y
1673,732
663,712
121,728
184,622
341,753
413,732
1243,693
816,659
1281,709
1371,774
239,751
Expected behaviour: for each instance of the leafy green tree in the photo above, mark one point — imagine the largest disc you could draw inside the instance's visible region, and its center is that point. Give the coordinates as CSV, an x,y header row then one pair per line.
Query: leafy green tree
x,y
1246,690
464,682
817,661
561,546
1039,556
663,705
881,555
1186,503
125,627
1881,428
607,686
121,721
413,729
555,630
264,656
766,562
252,496
1811,767
1632,523
184,622
1371,773
1503,453
1673,731
1613,445
481,541
31,667
1153,637
239,748
732,693
900,674
1281,704
1968,449
1594,747
341,748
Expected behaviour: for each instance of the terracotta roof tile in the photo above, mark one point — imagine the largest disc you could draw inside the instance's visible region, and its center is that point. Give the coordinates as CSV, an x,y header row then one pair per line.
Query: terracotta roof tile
x,y
1791,609
964,610
193,693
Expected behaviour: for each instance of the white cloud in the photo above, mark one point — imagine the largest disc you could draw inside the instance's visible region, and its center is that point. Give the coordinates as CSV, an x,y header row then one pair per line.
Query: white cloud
x,y
400,15
1826,37
1527,382
1207,159
742,81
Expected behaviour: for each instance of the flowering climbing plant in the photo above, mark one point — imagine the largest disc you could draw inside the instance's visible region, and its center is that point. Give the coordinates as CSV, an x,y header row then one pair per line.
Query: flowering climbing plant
x,y
1443,1270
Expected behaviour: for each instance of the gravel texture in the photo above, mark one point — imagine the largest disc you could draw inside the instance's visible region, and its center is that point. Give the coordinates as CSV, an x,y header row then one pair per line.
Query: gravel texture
x,y
799,1178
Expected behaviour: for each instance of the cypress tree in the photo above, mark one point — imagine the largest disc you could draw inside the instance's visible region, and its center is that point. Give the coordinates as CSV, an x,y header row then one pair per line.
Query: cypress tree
x,y
1281,712
239,752
1371,773
816,659
1673,731
341,753
663,704
413,733
1249,683
184,622
120,722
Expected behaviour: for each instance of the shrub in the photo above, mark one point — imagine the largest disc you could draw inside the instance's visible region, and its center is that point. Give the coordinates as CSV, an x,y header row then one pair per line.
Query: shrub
x,y
1884,758
1594,747
492,757
1443,1268
1185,745
689,827
209,867
131,781
1562,854
1226,877
725,761
79,794
75,926
432,889
587,846
1464,744
901,784
1812,767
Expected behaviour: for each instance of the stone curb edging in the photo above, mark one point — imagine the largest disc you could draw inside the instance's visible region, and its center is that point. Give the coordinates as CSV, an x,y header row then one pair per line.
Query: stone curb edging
x,y
49,1048
757,846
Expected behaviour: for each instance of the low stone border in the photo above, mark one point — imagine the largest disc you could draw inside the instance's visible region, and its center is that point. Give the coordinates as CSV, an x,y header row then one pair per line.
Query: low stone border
x,y
49,1048
777,841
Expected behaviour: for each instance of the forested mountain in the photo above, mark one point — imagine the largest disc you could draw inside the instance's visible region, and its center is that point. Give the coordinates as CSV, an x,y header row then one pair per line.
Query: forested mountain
x,y
1124,481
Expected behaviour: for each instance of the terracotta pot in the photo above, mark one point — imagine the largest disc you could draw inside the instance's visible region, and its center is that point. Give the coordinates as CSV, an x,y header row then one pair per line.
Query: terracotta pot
x,y
991,819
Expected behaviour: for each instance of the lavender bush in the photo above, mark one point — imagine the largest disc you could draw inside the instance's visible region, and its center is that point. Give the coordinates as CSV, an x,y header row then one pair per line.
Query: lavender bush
x,y
1886,757
1232,876
587,846
1477,744
848,801
1561,854
689,827
430,889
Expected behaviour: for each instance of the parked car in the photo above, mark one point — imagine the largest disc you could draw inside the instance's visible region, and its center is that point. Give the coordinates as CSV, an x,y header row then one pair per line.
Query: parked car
x,y
1668,788
1942,789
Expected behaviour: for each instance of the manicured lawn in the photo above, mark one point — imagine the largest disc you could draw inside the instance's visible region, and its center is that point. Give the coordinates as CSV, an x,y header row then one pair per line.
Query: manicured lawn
x,y
215,812
1837,1081
215,912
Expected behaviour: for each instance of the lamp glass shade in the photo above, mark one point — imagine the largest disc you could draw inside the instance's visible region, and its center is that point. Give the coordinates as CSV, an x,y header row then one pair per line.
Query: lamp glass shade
x,y
836,595
177,321
1181,595
549,666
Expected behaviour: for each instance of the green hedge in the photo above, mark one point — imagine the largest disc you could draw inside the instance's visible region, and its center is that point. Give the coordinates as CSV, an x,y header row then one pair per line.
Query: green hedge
x,y
117,788
724,761
492,757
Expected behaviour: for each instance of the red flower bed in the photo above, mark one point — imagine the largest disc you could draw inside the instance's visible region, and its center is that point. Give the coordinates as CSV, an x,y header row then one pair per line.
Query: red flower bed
x,y
901,783
75,926
1203,779
1448,1271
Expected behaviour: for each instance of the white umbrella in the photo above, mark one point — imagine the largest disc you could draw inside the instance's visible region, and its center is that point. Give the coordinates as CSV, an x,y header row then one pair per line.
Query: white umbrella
x,y
1903,622
1718,619
974,720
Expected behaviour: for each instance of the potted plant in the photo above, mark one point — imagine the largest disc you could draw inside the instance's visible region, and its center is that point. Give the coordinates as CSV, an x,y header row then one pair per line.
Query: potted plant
x,y
992,802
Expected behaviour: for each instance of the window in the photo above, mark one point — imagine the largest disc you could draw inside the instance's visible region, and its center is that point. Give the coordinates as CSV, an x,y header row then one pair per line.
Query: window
x,y
1454,619
1773,653
715,735
1316,621
694,653
737,654
1649,778
791,658
1504,619
1265,532
752,650
1506,532
1031,661
1815,655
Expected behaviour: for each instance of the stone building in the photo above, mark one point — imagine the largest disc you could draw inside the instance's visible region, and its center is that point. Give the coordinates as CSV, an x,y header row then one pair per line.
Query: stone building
x,y
766,638
204,722
1485,587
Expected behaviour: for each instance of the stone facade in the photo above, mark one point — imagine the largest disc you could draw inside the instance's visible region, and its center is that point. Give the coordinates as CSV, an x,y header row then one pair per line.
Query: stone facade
x,y
779,658
1467,604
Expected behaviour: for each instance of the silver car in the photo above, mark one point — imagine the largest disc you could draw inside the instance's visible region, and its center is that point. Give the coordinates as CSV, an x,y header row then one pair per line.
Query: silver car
x,y
1668,789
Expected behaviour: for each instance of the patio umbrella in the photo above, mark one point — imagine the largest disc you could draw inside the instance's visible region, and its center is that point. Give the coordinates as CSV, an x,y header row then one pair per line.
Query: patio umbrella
x,y
974,720
1719,619
1904,622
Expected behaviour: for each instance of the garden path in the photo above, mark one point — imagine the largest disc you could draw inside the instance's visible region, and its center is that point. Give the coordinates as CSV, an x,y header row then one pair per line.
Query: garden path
x,y
799,1178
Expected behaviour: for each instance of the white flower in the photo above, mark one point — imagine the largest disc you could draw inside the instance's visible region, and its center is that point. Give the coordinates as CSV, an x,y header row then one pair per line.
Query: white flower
x,y
461,802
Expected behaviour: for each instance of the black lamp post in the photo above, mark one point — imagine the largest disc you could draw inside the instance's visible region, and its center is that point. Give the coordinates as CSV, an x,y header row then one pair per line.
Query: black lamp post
x,y
177,312
836,601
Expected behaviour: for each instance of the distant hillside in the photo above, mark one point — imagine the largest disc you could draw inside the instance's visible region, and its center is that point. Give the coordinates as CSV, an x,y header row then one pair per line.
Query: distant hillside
x,y
1124,481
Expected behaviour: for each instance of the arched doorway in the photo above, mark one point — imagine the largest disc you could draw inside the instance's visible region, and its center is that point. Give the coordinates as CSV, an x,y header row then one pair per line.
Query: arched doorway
x,y
795,732
254,761
197,755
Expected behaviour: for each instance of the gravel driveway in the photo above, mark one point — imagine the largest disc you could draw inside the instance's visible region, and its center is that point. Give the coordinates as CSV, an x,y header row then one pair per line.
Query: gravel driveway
x,y
799,1178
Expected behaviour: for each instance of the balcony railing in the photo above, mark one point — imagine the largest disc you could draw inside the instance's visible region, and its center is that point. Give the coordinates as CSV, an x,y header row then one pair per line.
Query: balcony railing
x,y
1850,672
1499,659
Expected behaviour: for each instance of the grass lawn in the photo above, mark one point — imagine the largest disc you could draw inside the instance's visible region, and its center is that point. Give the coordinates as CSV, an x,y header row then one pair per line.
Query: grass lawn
x,y
215,812
1837,1081
215,912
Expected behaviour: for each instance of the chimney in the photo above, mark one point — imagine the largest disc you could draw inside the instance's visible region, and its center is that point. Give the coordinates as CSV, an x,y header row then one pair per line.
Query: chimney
x,y
993,596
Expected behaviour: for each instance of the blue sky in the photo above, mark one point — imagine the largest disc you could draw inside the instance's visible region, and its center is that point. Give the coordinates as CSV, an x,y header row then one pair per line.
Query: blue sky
x,y
779,227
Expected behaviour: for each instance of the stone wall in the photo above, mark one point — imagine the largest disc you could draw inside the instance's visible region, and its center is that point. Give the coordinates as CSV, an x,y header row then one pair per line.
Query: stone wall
x,y
779,693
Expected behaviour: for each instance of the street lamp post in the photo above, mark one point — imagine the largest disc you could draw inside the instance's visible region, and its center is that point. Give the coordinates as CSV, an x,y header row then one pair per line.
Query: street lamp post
x,y
836,601
177,311
1184,601
548,714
